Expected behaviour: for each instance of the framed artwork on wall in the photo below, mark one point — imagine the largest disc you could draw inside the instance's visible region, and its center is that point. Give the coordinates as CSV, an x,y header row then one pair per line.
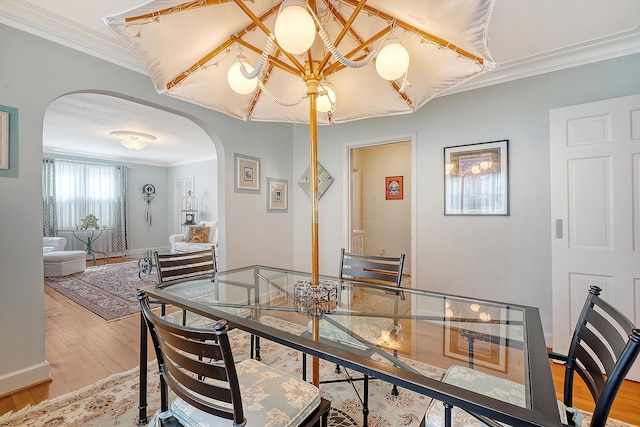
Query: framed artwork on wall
x,y
324,181
393,188
277,195
4,140
476,179
247,173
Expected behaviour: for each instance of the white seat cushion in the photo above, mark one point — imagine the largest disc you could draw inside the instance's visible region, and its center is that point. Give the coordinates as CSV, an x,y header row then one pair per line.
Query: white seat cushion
x,y
269,397
479,382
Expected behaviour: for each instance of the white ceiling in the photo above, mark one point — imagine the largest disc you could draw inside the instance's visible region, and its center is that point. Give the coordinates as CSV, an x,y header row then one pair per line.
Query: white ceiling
x,y
526,37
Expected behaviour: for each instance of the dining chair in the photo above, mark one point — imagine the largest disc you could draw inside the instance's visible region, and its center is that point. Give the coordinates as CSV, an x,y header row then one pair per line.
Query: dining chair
x,y
372,269
177,267
210,387
603,348
181,267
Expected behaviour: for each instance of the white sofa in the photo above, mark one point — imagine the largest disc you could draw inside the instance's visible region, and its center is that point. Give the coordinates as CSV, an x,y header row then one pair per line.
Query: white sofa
x,y
57,262
179,244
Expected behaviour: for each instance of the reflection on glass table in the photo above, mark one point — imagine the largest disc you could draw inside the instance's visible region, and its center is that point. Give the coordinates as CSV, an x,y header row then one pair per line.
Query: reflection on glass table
x,y
406,337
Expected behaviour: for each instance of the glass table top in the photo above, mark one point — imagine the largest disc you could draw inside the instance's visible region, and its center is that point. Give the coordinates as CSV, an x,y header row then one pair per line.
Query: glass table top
x,y
403,335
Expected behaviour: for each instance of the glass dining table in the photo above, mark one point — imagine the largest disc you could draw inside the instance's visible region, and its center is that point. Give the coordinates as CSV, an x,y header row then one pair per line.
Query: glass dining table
x,y
398,335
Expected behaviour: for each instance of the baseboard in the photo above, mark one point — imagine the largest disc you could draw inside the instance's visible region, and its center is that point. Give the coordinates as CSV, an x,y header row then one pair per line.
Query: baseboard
x,y
23,378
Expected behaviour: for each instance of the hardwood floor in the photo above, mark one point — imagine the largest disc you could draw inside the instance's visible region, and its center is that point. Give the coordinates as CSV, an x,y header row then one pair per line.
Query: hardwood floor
x,y
82,348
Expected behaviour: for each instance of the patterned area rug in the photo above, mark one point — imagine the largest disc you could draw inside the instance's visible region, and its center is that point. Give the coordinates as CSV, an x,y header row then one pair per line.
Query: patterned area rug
x,y
107,290
114,401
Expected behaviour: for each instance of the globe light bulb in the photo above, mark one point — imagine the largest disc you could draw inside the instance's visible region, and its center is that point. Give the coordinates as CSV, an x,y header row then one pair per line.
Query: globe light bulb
x,y
238,82
327,101
295,29
392,61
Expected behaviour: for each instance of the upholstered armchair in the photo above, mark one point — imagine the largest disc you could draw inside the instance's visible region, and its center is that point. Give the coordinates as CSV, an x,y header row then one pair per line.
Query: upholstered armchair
x,y
195,238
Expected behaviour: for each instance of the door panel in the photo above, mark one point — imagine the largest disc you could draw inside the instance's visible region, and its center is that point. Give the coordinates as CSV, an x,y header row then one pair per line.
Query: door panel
x,y
595,206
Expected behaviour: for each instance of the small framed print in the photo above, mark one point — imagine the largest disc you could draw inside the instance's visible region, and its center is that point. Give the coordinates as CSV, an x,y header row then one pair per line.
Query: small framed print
x,y
393,188
247,173
277,195
4,140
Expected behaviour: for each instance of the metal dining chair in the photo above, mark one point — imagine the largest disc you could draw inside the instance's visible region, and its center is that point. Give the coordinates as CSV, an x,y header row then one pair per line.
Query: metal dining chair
x,y
603,348
372,269
211,388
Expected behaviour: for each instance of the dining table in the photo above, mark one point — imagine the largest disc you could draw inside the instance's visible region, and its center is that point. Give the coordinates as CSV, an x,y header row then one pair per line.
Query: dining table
x,y
406,336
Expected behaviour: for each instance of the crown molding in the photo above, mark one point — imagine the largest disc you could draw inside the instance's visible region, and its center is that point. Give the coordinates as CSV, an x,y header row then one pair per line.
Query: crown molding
x,y
40,22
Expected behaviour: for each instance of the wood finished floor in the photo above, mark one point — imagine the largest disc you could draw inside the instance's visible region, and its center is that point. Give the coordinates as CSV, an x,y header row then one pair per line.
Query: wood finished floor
x,y
82,348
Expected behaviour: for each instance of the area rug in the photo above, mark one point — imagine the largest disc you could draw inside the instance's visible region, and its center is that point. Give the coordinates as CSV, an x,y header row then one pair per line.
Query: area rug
x,y
106,290
114,401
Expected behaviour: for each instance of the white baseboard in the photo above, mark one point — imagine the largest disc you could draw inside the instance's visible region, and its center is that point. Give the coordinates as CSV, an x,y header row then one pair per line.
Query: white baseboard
x,y
23,378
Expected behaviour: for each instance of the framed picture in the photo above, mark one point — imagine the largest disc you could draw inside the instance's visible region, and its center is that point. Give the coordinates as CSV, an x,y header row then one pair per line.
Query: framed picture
x,y
277,195
324,181
4,140
393,187
476,180
247,173
475,334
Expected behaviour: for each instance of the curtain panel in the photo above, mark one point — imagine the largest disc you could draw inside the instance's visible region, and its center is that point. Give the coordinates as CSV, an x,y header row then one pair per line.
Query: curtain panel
x,y
72,190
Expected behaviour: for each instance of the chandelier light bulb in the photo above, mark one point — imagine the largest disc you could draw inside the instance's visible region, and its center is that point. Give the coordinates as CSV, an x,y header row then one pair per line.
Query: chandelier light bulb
x,y
327,101
392,61
239,83
295,29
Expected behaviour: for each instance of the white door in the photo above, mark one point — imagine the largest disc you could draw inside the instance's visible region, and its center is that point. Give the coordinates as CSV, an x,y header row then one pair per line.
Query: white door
x,y
595,208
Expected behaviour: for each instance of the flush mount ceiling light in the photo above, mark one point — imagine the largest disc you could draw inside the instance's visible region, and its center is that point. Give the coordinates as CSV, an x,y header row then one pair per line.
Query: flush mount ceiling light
x,y
132,140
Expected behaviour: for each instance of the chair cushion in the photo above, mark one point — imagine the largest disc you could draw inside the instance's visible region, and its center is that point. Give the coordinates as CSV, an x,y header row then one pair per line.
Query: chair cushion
x,y
269,397
479,382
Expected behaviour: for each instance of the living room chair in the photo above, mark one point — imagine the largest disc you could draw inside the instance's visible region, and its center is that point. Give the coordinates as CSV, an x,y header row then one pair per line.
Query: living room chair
x,y
198,366
603,348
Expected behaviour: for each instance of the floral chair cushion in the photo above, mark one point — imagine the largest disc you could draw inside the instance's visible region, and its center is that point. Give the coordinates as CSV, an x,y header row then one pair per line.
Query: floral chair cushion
x,y
479,382
269,398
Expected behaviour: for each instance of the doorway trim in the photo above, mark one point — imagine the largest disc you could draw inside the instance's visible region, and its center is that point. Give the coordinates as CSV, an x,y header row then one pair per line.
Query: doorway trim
x,y
346,191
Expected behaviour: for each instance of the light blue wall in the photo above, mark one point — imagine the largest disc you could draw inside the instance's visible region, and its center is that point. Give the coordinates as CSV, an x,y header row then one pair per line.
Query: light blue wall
x,y
504,258
34,72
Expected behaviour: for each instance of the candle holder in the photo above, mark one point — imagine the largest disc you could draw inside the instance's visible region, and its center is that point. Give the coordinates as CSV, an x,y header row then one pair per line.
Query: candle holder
x,y
315,300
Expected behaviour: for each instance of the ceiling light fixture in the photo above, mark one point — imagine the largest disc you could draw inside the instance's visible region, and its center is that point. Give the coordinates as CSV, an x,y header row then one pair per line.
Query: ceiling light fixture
x,y
132,140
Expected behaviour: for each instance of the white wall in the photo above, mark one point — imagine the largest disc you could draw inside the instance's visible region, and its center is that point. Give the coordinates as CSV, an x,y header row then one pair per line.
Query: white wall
x,y
504,258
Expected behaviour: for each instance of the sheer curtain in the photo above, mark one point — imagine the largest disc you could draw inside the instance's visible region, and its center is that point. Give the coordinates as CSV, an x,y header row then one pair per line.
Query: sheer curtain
x,y
76,189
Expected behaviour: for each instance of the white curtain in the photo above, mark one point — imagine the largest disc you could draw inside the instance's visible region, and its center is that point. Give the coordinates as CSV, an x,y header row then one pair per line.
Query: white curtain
x,y
91,188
